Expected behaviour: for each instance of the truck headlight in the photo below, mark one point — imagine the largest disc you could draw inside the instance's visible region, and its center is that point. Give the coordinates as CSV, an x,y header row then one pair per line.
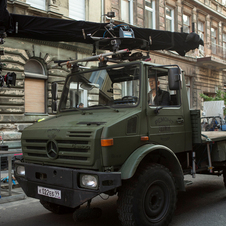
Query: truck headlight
x,y
89,181
20,170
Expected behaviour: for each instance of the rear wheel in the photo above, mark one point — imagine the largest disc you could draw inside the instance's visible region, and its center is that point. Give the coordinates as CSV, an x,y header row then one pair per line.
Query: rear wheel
x,y
149,198
57,209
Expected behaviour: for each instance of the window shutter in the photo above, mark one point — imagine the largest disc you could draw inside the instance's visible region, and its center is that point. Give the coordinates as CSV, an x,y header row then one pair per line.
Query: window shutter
x,y
40,4
34,95
77,9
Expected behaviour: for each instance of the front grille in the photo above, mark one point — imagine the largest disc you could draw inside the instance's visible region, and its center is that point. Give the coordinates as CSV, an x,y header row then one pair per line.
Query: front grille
x,y
36,141
35,148
78,134
74,149
36,155
73,157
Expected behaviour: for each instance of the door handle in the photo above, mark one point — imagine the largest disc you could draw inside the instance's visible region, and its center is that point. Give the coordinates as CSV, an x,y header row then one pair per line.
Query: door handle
x,y
180,120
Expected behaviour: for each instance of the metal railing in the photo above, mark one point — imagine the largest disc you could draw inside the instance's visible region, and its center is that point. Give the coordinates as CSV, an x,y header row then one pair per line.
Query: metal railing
x,y
212,49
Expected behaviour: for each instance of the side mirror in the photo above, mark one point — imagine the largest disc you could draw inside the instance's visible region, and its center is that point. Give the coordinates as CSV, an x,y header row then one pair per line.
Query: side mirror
x,y
174,78
54,90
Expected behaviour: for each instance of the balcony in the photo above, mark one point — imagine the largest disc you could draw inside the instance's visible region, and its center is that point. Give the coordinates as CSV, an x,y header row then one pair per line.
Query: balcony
x,y
212,56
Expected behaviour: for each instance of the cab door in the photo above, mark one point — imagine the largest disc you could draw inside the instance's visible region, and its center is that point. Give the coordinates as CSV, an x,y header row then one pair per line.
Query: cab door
x,y
166,121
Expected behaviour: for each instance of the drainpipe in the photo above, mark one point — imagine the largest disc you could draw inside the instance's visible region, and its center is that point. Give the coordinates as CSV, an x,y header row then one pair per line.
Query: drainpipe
x,y
102,11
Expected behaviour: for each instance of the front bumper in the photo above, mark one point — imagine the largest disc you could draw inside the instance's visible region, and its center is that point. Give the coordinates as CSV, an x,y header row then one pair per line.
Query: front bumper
x,y
66,180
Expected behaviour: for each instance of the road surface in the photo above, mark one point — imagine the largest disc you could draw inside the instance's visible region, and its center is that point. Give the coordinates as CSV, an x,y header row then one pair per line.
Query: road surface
x,y
204,203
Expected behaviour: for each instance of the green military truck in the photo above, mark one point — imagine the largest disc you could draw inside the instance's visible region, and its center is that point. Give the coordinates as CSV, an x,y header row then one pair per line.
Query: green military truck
x,y
135,135
119,144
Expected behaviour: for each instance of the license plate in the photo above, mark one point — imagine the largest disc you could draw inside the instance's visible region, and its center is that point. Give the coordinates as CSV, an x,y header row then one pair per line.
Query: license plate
x,y
53,193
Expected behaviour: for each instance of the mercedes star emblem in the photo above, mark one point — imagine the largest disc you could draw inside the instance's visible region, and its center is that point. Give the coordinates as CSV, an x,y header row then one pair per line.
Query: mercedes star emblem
x,y
52,149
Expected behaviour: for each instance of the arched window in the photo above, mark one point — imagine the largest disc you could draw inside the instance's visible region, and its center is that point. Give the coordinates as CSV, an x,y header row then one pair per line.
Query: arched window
x,y
34,87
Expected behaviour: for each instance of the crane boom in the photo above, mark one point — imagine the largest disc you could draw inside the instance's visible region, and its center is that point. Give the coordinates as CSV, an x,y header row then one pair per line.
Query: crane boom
x,y
52,29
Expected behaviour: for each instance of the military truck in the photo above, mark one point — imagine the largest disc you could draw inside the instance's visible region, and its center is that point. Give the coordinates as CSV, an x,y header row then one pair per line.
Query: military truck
x,y
123,141
119,145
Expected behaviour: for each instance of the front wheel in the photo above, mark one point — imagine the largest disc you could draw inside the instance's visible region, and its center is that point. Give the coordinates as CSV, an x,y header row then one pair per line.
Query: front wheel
x,y
149,198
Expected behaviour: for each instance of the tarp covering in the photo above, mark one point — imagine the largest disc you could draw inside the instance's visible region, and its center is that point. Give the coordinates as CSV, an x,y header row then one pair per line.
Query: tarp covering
x,y
213,108
51,29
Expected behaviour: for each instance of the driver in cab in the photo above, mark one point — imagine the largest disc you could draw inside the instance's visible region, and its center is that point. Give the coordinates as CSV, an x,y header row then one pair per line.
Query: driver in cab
x,y
157,97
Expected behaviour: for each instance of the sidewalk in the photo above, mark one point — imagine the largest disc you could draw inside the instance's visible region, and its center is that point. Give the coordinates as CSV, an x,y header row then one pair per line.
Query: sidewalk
x,y
17,192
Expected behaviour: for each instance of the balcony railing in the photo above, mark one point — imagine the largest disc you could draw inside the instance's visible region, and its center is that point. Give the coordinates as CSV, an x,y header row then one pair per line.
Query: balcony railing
x,y
212,49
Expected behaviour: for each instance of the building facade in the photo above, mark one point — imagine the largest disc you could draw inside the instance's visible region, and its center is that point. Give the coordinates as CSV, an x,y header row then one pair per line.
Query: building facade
x,y
205,67
31,60
30,99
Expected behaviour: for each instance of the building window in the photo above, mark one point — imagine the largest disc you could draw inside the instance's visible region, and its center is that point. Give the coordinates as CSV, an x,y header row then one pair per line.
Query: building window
x,y
98,77
186,24
127,11
224,45
41,4
169,19
188,88
81,95
214,40
223,2
201,34
77,9
150,14
35,87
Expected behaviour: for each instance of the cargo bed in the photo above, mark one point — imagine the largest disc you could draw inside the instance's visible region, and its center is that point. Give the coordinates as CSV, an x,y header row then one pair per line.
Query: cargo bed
x,y
213,135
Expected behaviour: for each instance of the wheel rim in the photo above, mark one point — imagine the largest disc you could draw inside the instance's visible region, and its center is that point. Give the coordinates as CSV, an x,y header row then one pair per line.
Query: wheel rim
x,y
156,201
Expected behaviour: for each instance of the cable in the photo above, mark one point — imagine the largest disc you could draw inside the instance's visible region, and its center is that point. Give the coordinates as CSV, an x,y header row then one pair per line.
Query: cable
x,y
103,197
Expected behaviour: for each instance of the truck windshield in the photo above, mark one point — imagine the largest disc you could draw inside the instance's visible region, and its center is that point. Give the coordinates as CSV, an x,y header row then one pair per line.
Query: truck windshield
x,y
113,86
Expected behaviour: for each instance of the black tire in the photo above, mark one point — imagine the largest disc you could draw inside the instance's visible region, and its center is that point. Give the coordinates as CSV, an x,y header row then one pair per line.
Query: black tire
x,y
57,209
149,198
